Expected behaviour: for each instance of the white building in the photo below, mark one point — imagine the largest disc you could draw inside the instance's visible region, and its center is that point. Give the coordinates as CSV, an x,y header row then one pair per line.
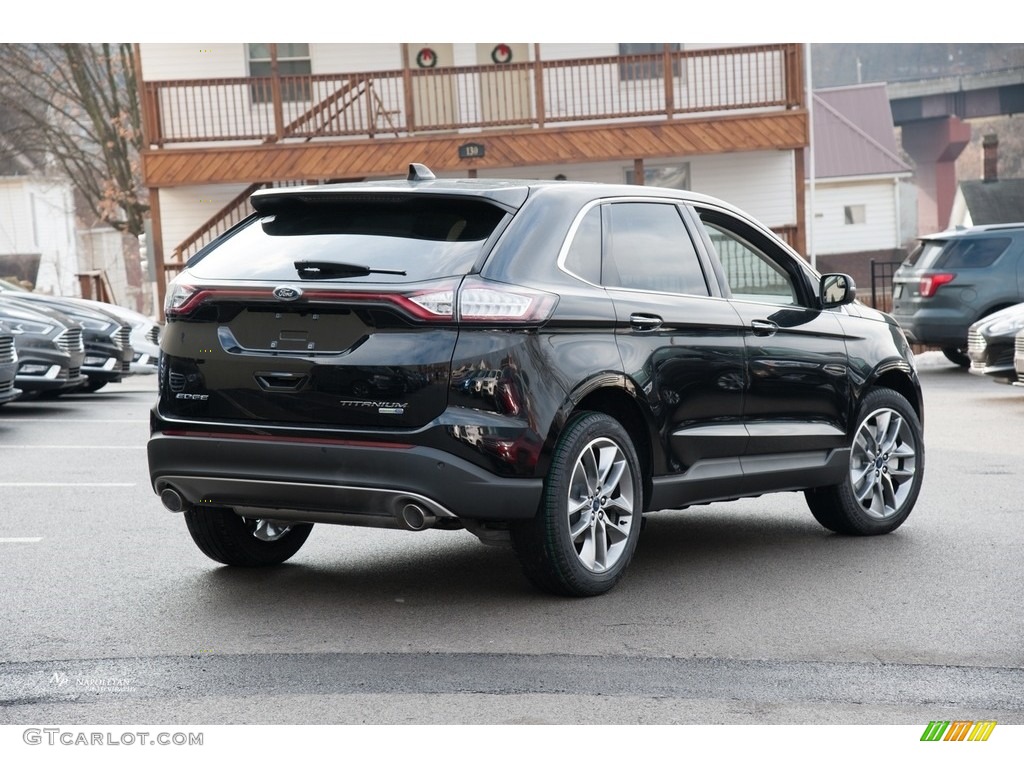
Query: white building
x,y
222,120
38,243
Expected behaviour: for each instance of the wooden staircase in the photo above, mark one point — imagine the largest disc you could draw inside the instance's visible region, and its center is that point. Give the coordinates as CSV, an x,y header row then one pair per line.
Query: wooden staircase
x,y
311,123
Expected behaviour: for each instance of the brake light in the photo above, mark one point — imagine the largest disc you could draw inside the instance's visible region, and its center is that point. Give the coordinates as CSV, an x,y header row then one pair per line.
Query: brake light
x,y
478,301
178,295
438,305
931,283
481,301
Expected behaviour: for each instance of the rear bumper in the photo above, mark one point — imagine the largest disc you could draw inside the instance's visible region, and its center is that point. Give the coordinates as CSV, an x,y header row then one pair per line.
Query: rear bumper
x,y
937,329
343,478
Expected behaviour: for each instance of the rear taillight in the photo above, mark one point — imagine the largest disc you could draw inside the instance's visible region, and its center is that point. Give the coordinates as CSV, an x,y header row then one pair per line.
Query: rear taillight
x,y
178,295
434,304
485,302
931,283
474,301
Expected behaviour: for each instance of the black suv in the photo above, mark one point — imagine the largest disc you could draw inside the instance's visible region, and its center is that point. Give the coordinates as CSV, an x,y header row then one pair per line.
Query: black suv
x,y
953,279
536,362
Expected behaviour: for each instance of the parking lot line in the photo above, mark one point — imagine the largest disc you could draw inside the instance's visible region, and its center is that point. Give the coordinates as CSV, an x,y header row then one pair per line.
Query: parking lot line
x,y
67,485
18,419
79,447
22,540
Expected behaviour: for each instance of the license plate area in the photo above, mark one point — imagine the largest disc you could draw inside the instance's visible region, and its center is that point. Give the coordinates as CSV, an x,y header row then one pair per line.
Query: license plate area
x,y
257,331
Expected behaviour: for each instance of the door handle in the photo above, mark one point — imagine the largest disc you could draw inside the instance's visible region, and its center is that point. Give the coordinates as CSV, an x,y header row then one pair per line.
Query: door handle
x,y
643,322
764,327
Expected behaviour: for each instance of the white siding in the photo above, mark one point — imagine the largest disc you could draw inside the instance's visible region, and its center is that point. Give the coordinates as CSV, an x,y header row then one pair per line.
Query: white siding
x,y
614,173
556,51
761,183
15,218
335,58
38,216
103,248
960,215
192,61
879,231
183,209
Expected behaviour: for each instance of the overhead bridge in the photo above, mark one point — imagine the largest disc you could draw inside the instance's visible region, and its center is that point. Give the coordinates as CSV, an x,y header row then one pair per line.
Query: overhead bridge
x,y
931,114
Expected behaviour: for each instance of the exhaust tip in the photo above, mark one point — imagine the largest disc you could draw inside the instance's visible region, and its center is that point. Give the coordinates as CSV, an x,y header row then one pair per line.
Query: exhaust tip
x,y
415,518
172,500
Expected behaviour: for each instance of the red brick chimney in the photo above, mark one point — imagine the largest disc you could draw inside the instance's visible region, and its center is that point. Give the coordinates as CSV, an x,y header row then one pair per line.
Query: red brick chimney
x,y
990,146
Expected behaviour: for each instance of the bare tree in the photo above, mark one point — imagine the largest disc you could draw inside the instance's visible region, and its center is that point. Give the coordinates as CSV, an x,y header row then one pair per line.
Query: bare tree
x,y
74,108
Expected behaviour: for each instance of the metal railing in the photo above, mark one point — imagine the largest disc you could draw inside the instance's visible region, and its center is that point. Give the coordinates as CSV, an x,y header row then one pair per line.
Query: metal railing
x,y
527,94
881,283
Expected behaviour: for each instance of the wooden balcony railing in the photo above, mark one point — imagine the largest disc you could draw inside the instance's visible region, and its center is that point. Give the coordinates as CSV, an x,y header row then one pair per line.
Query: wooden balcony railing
x,y
790,234
529,94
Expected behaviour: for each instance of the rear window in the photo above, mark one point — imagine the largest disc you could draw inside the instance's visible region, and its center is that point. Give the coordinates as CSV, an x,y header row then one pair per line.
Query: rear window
x,y
969,253
412,239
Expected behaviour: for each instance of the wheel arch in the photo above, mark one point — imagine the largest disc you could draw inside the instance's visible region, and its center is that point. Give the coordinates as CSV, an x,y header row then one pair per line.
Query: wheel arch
x,y
619,403
901,381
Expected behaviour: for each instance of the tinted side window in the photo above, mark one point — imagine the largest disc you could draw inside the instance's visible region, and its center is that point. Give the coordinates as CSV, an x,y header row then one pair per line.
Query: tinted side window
x,y
750,272
972,253
648,248
584,255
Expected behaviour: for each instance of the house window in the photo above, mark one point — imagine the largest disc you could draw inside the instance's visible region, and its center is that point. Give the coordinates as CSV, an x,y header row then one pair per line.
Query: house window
x,y
650,66
671,176
854,214
293,61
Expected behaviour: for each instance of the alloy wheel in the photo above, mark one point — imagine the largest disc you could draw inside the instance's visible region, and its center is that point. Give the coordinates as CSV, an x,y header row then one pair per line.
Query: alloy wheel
x,y
883,463
600,505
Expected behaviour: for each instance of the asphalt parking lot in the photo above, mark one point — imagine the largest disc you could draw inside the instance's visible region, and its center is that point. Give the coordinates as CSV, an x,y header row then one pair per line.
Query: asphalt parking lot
x,y
746,612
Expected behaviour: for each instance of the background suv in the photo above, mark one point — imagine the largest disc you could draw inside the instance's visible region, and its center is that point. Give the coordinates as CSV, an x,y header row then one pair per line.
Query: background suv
x,y
955,278
636,349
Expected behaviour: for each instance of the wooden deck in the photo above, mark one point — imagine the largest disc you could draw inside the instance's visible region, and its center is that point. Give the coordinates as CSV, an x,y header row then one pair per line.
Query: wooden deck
x,y
356,125
502,149
259,131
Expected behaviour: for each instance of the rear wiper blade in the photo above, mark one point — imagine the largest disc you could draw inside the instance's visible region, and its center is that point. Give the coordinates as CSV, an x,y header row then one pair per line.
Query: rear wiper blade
x,y
324,270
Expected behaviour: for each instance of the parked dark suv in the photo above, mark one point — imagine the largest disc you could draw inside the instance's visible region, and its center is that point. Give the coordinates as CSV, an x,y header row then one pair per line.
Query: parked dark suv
x,y
953,279
535,362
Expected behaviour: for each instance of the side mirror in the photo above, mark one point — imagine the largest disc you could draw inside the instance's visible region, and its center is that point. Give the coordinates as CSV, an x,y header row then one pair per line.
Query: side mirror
x,y
837,289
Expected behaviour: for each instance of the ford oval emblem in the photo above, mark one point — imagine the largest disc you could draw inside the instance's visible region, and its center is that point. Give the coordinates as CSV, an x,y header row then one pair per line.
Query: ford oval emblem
x,y
287,293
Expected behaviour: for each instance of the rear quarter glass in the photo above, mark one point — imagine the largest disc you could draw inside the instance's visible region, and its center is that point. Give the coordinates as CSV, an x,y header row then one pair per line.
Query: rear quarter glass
x,y
972,253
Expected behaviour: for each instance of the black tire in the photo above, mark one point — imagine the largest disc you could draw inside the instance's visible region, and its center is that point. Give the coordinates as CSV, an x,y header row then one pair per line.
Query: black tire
x,y
593,449
957,356
885,474
227,538
93,386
